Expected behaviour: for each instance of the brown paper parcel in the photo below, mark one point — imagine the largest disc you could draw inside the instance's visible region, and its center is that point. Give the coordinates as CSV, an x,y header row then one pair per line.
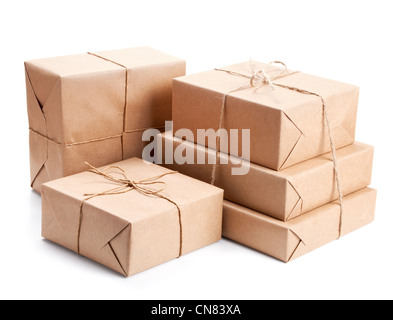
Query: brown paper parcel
x,y
287,241
132,232
284,194
95,107
287,127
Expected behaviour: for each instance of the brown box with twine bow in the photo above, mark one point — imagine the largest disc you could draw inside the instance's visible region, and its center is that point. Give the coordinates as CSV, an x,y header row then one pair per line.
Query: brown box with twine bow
x,y
287,241
283,195
131,216
289,113
95,107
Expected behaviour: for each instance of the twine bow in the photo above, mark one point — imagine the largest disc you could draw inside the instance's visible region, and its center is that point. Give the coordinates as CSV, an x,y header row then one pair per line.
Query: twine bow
x,y
125,185
261,77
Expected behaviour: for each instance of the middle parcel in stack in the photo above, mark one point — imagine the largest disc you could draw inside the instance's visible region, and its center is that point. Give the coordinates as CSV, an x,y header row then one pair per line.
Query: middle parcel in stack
x,y
285,194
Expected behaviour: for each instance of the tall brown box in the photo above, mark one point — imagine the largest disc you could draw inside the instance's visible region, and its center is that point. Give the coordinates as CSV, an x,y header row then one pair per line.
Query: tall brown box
x,y
95,107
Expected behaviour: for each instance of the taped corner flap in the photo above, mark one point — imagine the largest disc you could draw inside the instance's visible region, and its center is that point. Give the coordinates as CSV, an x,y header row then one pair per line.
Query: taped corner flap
x,y
104,238
42,81
291,134
55,226
115,251
37,121
44,101
38,158
120,247
296,246
316,228
346,123
295,202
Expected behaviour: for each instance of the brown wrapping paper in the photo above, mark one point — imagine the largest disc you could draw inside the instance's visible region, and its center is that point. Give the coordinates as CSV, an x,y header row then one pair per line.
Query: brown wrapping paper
x,y
287,241
287,127
85,108
282,194
131,232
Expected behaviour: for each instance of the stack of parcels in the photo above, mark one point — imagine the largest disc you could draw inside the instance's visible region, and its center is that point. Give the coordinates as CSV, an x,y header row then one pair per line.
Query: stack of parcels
x,y
89,111
286,204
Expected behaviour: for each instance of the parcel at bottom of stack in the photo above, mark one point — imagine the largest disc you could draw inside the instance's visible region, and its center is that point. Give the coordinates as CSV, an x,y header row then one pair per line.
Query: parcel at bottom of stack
x,y
289,240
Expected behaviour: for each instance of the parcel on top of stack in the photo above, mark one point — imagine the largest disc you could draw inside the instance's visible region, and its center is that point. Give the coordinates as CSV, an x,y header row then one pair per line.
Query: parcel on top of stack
x,y
287,126
95,108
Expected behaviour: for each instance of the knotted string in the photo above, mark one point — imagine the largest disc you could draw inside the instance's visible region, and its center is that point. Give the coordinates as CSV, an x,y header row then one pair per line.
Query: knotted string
x,y
126,185
259,78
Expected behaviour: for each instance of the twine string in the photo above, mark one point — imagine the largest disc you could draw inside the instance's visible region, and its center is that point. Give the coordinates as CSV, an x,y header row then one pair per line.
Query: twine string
x,y
259,78
126,185
125,109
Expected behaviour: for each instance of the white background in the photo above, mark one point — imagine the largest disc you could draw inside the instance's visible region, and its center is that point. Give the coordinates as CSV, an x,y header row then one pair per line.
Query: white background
x,y
346,40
